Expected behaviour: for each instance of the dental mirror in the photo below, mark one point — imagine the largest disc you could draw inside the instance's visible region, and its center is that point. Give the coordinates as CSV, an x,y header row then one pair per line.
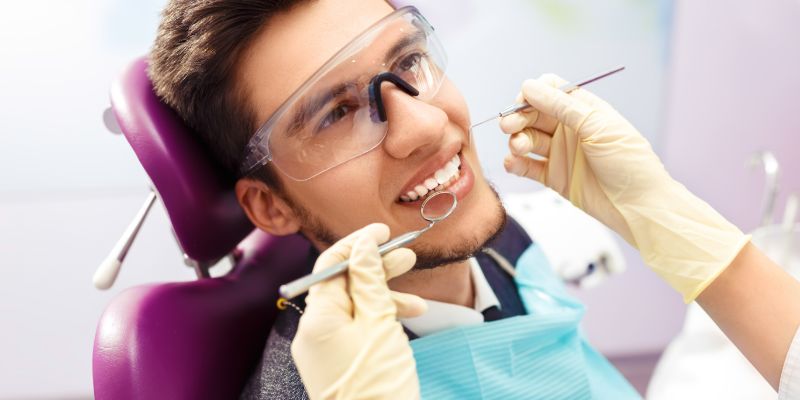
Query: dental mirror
x,y
438,206
435,208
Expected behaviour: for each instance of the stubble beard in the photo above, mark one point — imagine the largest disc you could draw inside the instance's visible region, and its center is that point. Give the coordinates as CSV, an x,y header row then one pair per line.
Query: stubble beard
x,y
428,257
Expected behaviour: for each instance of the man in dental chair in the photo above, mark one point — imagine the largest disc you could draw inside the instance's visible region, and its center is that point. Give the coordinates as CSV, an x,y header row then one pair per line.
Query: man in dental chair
x,y
335,114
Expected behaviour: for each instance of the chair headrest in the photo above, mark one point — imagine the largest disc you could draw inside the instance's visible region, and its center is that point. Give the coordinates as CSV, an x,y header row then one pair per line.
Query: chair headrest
x,y
199,198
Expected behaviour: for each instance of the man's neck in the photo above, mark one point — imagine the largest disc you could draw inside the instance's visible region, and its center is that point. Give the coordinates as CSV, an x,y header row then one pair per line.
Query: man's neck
x,y
450,283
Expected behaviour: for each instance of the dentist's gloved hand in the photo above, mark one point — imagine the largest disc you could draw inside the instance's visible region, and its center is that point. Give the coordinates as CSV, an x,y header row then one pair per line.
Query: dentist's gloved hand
x,y
349,344
603,165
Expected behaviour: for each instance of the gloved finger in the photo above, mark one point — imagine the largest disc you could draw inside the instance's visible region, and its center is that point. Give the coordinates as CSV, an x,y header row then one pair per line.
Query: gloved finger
x,y
580,93
329,301
530,141
340,251
399,261
530,118
553,80
569,110
321,320
367,281
331,296
525,166
518,121
408,305
592,99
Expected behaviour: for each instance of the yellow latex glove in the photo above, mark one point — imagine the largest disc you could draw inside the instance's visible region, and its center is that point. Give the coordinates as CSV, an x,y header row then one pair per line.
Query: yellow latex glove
x,y
349,344
603,165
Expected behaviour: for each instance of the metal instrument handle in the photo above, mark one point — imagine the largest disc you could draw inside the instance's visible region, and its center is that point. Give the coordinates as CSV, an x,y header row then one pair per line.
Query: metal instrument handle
x,y
301,285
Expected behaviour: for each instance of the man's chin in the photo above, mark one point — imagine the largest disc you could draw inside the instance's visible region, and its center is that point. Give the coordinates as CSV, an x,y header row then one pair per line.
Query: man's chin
x,y
457,247
460,249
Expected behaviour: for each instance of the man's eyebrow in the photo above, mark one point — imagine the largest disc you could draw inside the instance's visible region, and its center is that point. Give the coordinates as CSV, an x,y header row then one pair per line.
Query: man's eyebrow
x,y
405,42
309,108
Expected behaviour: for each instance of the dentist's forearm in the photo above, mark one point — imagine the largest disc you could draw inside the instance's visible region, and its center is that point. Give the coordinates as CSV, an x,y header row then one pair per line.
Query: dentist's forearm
x,y
757,305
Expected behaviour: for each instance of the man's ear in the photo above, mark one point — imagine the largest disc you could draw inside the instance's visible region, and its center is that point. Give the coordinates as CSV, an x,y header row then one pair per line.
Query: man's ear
x,y
265,208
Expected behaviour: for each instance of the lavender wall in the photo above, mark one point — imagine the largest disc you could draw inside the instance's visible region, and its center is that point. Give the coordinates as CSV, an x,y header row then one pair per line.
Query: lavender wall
x,y
734,88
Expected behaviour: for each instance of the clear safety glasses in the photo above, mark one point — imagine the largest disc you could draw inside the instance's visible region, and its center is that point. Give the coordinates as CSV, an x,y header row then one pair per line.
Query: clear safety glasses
x,y
338,114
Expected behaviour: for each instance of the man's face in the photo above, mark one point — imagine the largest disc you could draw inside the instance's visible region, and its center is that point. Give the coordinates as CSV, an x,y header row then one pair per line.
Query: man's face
x,y
422,136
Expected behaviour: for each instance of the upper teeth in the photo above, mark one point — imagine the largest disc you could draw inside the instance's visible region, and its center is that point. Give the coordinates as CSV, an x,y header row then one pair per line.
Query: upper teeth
x,y
440,179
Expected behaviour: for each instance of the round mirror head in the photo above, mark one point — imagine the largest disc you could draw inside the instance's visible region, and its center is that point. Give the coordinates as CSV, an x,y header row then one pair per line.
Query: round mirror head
x,y
438,206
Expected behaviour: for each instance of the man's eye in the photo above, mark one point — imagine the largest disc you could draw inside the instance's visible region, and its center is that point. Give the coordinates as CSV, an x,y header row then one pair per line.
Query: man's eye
x,y
334,116
409,62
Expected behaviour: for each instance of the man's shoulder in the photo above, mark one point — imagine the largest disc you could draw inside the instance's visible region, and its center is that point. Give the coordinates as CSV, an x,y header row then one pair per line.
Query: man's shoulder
x,y
512,240
276,376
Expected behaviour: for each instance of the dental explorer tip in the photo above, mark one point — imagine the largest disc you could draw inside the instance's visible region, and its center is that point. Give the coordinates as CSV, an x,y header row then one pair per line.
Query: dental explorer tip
x,y
487,120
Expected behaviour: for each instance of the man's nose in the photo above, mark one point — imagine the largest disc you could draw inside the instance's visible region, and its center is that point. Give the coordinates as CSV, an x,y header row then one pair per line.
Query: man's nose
x,y
413,124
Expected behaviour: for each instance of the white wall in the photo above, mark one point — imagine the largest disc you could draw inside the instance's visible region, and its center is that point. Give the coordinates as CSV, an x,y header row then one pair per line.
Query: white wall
x,y
67,187
48,306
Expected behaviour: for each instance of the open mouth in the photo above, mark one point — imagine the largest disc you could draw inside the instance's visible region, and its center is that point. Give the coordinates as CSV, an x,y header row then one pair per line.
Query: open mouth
x,y
441,179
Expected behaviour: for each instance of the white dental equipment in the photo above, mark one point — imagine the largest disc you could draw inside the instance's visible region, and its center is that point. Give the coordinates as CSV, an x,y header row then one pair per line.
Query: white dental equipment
x,y
569,87
436,212
580,249
771,174
108,270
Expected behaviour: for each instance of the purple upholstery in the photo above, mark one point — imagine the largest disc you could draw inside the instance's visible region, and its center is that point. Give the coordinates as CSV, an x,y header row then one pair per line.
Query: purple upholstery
x,y
200,339
194,340
202,208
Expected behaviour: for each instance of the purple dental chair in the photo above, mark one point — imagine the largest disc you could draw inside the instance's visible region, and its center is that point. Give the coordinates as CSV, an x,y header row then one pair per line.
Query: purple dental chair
x,y
200,339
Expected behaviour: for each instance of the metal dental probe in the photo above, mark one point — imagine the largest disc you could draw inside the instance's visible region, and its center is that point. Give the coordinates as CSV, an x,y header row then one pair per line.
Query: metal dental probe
x,y
569,87
301,285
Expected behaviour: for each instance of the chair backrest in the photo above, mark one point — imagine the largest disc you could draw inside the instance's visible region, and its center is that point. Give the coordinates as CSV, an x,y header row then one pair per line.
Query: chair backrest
x,y
200,339
198,197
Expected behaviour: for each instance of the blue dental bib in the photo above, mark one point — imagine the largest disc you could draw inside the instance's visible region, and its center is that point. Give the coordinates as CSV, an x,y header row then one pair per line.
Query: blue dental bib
x,y
542,355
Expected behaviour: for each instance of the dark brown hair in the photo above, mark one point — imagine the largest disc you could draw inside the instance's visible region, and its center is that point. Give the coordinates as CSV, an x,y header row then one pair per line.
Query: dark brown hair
x,y
193,64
